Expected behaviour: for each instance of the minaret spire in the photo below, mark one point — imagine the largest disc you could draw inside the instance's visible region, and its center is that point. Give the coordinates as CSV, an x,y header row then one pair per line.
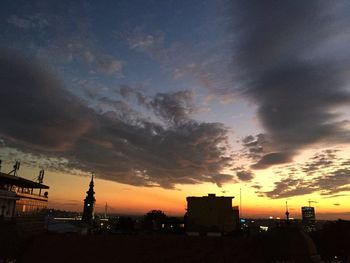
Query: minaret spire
x,y
89,203
92,181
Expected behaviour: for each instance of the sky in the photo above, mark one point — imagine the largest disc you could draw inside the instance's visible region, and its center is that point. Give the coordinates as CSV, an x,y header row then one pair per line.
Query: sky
x,y
167,99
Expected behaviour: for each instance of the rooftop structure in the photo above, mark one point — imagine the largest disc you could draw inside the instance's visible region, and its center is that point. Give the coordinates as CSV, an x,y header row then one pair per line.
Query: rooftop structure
x,y
308,214
308,218
20,196
211,214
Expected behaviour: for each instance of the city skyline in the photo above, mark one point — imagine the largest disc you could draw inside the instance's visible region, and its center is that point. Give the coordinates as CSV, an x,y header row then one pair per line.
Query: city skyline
x,y
168,99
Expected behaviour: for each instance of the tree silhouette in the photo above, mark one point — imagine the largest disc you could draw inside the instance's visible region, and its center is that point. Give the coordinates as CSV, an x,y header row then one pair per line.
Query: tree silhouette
x,y
153,220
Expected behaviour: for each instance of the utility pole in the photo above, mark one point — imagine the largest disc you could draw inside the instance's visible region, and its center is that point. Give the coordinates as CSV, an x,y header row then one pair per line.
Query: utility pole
x,y
240,203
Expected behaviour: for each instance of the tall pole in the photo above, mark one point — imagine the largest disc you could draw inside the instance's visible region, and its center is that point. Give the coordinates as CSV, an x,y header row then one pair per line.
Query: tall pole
x,y
240,202
287,212
106,210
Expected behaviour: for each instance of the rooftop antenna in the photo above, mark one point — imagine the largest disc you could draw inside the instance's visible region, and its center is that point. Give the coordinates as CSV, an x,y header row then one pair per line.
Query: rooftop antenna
x,y
15,168
311,201
92,176
287,212
106,210
41,176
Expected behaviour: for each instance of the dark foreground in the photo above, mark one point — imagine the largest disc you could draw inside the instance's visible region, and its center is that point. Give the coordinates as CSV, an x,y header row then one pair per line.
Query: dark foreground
x,y
75,248
160,248
282,244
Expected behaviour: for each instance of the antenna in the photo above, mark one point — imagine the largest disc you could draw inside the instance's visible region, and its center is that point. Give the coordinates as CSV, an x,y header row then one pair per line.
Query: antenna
x,y
41,179
15,168
311,201
287,212
240,202
41,176
106,210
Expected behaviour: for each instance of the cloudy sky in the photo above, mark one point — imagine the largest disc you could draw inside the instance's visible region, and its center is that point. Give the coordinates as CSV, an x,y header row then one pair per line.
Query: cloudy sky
x,y
167,99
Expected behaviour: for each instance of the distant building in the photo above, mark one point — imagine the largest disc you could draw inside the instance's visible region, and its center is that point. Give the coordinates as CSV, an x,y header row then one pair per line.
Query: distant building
x,y
308,214
20,196
308,218
211,214
89,203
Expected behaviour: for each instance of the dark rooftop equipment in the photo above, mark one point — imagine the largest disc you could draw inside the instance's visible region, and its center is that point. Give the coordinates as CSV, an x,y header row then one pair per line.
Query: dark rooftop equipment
x,y
15,168
21,182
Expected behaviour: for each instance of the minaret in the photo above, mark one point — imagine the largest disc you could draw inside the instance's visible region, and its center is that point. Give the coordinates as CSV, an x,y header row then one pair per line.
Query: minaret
x,y
89,203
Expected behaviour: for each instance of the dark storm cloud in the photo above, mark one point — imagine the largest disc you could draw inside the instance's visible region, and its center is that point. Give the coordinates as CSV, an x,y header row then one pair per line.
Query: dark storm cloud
x,y
39,116
291,58
35,109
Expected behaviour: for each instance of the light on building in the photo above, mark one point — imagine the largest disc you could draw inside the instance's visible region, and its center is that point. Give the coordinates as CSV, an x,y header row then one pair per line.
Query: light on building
x,y
264,228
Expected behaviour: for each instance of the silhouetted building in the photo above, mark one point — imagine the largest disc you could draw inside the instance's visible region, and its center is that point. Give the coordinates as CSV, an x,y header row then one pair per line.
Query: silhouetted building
x,y
20,196
211,214
22,213
89,203
308,218
308,214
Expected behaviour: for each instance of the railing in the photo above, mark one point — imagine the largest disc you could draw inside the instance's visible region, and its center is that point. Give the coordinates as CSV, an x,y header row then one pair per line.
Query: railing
x,y
24,192
32,196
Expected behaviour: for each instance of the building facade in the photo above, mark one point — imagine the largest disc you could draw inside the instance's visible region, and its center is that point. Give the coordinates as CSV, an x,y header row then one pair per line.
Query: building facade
x,y
308,214
20,196
211,214
308,218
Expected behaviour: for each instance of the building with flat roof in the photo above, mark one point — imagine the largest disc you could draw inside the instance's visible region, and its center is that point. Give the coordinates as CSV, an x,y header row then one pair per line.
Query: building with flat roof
x,y
211,214
308,214
20,196
308,218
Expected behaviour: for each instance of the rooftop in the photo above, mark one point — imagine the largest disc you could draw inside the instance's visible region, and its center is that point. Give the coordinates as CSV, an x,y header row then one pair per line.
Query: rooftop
x,y
211,196
20,182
